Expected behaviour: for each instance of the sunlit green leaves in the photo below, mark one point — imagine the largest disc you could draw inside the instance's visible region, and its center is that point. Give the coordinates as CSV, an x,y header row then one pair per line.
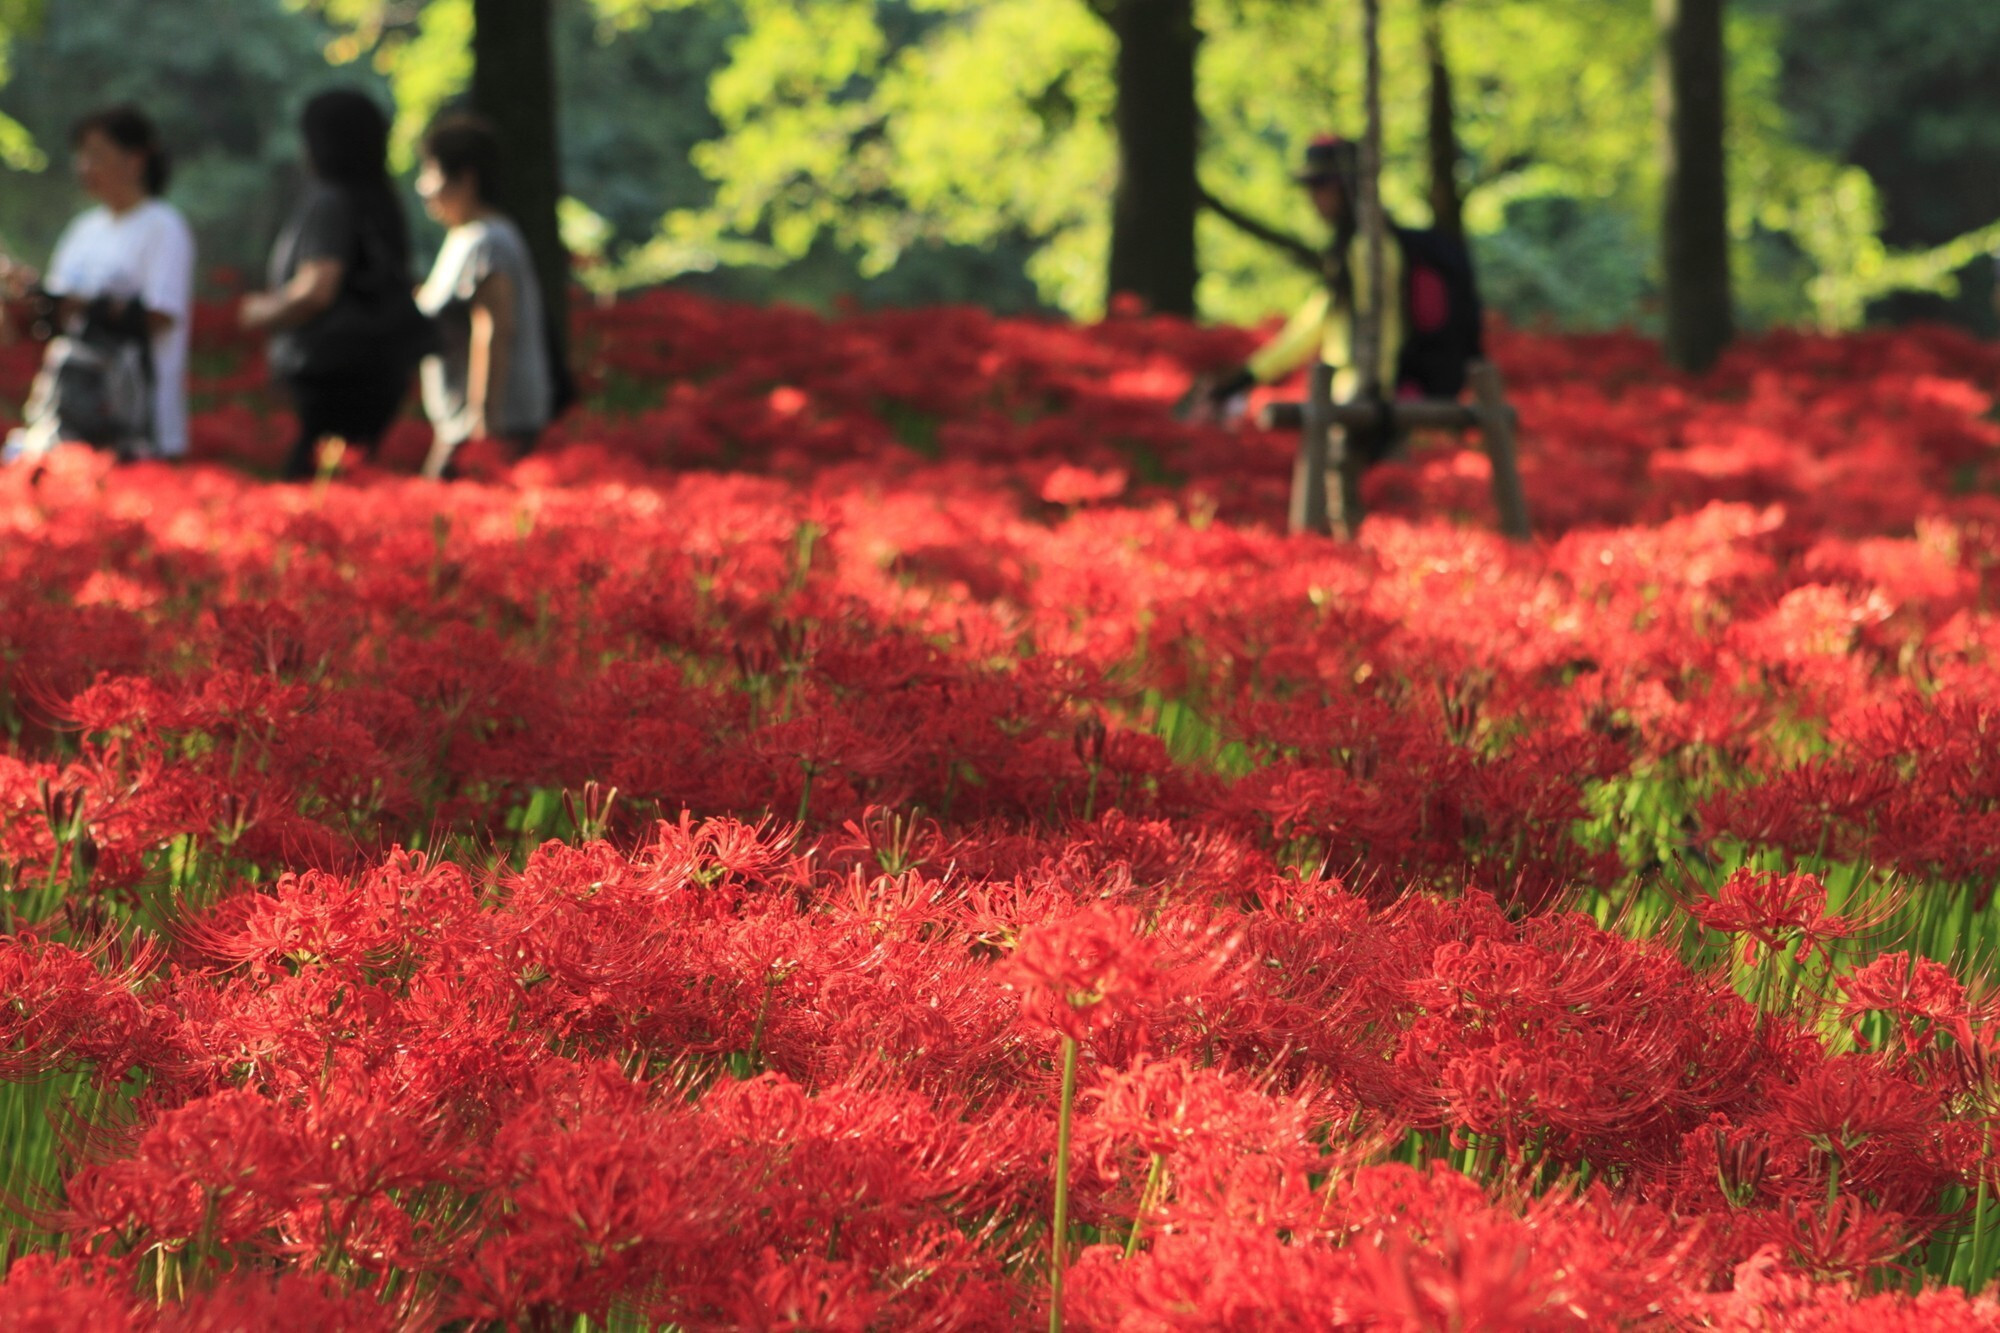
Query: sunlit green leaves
x,y
18,149
964,120
885,125
424,50
795,97
999,121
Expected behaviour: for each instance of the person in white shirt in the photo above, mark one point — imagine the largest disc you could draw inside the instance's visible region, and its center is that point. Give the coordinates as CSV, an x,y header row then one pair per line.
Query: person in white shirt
x,y
132,246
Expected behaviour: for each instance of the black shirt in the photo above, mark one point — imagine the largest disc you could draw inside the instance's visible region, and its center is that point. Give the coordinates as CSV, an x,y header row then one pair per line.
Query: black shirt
x,y
331,222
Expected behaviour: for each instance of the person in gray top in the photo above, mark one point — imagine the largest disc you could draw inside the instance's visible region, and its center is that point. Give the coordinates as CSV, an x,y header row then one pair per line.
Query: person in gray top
x,y
492,379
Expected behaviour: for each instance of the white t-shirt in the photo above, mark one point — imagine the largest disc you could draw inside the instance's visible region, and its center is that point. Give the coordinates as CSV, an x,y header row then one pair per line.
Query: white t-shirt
x,y
147,252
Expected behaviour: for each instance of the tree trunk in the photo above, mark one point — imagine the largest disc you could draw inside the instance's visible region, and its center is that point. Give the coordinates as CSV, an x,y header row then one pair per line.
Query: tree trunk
x,y
1153,208
1694,224
1373,224
514,87
1447,207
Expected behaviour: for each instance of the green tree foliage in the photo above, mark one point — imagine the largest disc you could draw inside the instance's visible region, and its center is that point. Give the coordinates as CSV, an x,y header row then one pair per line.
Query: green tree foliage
x,y
225,91
831,130
1906,92
227,96
17,145
423,50
636,80
963,149
887,121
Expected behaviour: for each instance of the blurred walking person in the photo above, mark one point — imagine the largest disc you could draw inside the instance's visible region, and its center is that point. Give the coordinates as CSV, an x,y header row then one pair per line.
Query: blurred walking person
x,y
491,377
345,333
116,303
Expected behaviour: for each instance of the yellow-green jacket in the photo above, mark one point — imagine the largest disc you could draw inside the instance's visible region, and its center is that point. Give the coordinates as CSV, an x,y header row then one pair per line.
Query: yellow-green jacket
x,y
1327,327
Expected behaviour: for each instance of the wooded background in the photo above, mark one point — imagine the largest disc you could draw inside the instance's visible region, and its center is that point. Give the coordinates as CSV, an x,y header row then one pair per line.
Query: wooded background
x,y
1682,166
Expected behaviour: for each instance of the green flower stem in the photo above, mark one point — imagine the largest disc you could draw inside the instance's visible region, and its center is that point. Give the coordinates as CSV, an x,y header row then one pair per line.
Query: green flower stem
x,y
1061,1230
1148,1197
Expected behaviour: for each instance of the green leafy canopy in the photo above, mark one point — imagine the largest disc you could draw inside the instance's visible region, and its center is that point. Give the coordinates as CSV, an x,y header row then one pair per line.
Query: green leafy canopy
x,y
17,146
887,123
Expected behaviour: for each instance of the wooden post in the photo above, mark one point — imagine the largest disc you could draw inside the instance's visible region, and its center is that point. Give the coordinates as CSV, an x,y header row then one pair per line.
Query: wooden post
x,y
1365,346
1331,432
1309,509
1404,415
1348,464
1496,425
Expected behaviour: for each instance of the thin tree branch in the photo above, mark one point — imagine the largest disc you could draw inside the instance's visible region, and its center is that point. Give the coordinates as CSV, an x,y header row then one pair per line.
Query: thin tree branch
x,y
1294,249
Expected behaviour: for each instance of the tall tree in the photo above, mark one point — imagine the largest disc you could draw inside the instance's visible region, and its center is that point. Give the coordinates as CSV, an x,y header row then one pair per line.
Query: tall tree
x,y
1158,126
1441,128
1694,223
514,87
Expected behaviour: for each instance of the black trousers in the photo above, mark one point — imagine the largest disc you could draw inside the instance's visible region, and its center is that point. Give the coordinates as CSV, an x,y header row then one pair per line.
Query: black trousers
x,y
356,408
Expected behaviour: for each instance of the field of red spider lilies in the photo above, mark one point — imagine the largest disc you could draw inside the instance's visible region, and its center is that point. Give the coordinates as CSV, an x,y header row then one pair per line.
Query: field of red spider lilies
x,y
873,827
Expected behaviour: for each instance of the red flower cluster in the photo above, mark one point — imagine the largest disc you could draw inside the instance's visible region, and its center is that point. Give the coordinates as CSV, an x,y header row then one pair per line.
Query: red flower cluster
x,y
1775,911
1083,973
647,884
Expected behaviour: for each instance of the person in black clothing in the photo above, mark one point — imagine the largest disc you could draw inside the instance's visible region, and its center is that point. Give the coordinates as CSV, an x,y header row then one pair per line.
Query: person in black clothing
x,y
342,323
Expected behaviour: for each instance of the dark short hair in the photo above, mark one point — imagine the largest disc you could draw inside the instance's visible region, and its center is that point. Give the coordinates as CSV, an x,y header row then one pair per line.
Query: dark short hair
x,y
462,142
1332,159
347,138
132,130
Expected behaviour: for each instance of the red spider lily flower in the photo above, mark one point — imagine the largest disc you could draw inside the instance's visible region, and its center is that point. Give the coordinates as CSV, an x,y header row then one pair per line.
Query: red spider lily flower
x,y
1846,1239
44,1294
1766,1293
806,1292
1082,973
1875,1134
1778,911
1919,994
1768,1290
61,1007
292,1300
718,1072
1171,1107
1074,485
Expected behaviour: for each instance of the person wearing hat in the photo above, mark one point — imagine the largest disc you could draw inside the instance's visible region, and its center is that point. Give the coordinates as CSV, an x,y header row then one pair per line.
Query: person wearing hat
x,y
1325,323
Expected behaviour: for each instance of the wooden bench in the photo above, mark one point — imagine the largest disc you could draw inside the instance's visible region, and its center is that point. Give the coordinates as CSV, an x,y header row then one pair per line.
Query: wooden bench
x,y
1325,431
